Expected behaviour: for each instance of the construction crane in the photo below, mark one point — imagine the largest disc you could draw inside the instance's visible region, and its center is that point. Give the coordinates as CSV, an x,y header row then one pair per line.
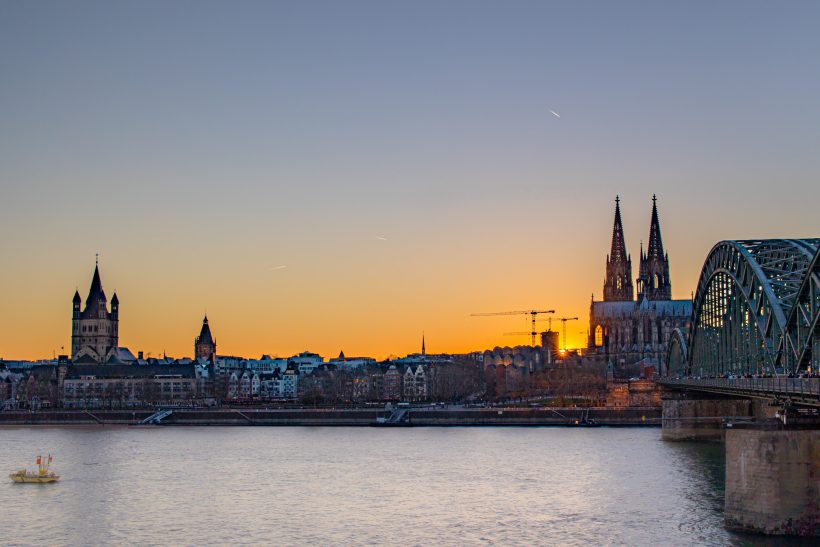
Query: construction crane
x,y
564,321
531,313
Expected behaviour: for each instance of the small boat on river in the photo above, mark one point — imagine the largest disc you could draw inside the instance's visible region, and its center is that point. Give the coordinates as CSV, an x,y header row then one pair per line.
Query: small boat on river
x,y
41,476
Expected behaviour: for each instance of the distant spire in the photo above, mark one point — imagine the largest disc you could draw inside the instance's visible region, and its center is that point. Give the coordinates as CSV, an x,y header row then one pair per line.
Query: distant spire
x,y
618,251
205,336
423,350
654,279
618,280
655,241
96,293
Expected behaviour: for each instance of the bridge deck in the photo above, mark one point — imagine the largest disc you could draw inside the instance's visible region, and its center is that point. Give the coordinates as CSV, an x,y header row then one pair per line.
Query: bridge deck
x,y
804,391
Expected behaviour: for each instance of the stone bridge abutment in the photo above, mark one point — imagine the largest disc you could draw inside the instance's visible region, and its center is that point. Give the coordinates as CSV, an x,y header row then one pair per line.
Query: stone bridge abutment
x,y
772,468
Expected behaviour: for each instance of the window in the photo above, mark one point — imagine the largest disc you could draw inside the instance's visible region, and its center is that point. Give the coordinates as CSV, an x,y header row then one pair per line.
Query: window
x,y
599,336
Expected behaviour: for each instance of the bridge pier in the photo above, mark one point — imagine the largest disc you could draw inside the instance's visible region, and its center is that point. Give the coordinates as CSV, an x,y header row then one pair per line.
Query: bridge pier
x,y
773,480
772,470
685,418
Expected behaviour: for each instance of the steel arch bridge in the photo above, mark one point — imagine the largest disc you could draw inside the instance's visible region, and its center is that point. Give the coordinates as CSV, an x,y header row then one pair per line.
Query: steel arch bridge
x,y
755,312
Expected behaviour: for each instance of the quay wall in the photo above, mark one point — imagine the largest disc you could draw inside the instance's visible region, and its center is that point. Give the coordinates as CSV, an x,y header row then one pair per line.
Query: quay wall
x,y
347,417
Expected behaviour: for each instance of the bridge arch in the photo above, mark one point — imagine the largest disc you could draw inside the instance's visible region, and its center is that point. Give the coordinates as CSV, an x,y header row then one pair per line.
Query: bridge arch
x,y
742,316
676,365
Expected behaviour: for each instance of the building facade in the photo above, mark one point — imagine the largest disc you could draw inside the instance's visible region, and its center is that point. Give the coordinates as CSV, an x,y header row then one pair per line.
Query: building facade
x,y
626,330
128,386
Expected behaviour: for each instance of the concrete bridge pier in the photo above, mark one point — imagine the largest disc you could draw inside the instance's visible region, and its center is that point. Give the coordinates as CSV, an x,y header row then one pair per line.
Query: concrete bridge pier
x,y
773,480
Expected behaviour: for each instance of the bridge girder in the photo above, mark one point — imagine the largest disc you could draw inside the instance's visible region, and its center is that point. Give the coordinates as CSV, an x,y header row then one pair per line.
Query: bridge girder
x,y
755,309
803,325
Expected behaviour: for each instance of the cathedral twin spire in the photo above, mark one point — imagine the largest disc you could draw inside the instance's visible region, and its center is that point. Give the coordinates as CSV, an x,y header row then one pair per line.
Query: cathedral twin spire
x,y
655,242
653,276
653,273
618,281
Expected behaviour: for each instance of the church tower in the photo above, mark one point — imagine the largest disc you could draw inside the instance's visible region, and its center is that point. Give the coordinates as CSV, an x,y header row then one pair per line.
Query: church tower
x,y
618,281
204,344
94,330
653,274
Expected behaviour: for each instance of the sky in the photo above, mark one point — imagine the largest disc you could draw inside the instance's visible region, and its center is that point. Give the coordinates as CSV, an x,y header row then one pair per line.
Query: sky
x,y
332,176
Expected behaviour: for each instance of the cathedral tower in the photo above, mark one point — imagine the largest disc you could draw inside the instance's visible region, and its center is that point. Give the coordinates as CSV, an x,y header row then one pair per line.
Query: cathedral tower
x,y
204,344
618,281
653,274
94,330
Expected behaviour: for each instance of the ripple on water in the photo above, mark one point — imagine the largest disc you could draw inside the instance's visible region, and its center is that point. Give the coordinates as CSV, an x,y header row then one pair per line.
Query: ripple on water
x,y
419,486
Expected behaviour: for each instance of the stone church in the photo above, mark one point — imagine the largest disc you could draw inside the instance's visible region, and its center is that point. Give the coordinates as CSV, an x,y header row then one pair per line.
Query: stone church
x,y
626,329
95,329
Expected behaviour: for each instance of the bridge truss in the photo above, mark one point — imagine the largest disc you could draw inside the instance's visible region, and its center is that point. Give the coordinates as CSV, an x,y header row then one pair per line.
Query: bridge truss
x,y
755,311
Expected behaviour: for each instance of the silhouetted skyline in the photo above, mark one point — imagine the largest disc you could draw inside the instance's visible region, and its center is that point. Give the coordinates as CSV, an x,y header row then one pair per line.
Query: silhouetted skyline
x,y
343,176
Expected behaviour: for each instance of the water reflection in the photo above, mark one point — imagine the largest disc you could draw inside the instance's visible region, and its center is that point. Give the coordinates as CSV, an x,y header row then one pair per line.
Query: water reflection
x,y
291,486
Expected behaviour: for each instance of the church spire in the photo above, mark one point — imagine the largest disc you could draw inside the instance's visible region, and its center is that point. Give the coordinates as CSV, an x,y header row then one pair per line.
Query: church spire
x,y
423,349
96,289
96,304
653,277
618,281
204,344
205,334
618,251
655,241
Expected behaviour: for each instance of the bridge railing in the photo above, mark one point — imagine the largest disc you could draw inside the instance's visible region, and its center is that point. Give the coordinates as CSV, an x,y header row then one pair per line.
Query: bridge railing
x,y
804,387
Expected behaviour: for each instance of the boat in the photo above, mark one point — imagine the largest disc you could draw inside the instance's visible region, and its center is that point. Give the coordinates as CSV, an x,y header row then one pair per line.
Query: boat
x,y
41,476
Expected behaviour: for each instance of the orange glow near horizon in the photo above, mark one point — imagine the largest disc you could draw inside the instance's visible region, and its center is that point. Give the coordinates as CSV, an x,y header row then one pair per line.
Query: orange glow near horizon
x,y
367,172
323,304
356,294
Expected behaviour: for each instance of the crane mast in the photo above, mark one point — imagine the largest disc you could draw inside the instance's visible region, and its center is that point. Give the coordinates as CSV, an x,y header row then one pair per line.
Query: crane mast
x,y
564,320
532,313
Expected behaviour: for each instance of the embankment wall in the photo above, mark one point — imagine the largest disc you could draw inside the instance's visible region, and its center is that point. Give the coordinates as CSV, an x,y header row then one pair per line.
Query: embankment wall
x,y
348,417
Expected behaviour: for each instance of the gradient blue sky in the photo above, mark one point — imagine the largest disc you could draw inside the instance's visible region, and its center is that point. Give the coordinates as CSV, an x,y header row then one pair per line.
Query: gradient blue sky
x,y
197,145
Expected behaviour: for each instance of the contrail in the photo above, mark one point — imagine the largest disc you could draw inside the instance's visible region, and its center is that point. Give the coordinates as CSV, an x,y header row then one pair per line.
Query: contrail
x,y
282,267
556,114
382,238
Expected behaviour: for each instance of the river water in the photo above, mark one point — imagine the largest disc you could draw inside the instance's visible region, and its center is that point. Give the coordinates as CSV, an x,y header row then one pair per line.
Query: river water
x,y
356,486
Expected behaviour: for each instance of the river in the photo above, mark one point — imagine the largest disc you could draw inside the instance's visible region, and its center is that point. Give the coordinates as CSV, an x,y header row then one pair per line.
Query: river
x,y
357,486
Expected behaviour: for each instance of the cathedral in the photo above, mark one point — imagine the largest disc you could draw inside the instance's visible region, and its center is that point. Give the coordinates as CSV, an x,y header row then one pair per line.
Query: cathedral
x,y
94,329
627,329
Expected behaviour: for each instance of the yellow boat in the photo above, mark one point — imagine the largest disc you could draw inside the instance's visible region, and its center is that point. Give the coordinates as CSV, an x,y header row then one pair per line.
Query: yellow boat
x,y
43,475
